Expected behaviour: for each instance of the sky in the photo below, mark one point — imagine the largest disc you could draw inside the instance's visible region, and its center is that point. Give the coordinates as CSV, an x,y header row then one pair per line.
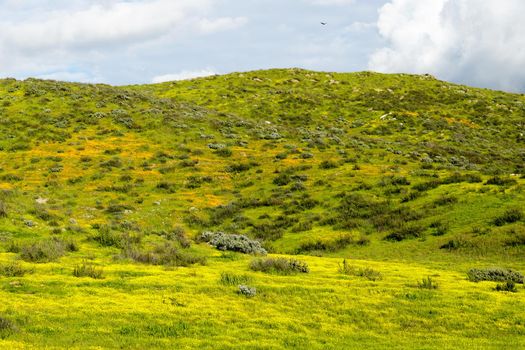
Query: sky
x,y
475,42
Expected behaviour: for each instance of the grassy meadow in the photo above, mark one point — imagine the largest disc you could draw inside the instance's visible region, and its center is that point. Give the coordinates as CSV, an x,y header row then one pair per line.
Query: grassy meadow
x,y
131,216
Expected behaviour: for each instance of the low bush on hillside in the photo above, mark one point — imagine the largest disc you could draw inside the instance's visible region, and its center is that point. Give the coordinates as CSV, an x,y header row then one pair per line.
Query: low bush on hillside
x,y
332,245
405,232
517,238
439,228
328,164
232,242
508,217
508,286
88,270
280,266
108,238
425,186
179,235
231,279
496,274
445,200
47,250
247,291
7,326
500,181
458,178
3,209
166,254
427,283
370,274
12,269
224,152
457,243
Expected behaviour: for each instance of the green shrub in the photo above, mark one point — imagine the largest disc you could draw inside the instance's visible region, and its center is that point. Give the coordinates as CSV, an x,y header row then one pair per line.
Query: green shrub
x,y
12,269
107,238
440,228
282,179
508,286
179,235
166,254
232,242
425,186
508,217
331,245
500,181
230,279
7,326
427,283
88,270
367,272
3,209
224,152
47,250
281,266
456,243
445,200
405,232
328,164
239,167
496,274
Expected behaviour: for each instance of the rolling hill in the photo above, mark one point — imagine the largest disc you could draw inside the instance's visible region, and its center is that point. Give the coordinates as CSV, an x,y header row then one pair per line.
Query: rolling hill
x,y
113,199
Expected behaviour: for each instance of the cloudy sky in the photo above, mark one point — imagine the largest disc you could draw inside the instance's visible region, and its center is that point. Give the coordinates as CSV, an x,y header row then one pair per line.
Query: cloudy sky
x,y
476,42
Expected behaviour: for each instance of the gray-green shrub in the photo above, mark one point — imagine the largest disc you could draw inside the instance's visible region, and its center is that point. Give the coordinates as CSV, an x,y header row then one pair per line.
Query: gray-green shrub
x,y
281,266
232,242
47,250
88,270
496,274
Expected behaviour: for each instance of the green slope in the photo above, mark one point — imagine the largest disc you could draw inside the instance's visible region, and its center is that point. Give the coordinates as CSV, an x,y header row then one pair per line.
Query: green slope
x,y
407,174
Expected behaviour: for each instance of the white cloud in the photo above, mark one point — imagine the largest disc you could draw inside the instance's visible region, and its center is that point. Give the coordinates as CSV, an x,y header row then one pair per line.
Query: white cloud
x,y
56,36
184,75
332,2
100,23
470,41
226,23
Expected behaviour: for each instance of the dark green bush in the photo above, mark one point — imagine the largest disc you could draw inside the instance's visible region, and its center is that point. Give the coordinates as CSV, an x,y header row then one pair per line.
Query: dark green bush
x,y
508,286
331,245
281,266
445,200
282,179
508,217
425,186
328,164
7,326
224,152
427,283
240,167
366,272
500,181
88,270
3,209
496,274
166,254
231,279
47,250
405,232
12,269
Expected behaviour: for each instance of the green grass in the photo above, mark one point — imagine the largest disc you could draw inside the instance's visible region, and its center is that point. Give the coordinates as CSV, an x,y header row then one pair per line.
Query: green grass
x,y
412,181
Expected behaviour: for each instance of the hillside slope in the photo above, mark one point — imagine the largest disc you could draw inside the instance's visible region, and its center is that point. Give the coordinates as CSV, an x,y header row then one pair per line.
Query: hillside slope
x,y
404,175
